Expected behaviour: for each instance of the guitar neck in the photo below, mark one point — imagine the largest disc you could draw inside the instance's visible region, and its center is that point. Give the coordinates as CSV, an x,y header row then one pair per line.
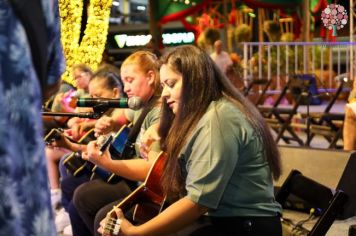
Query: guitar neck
x,y
130,200
54,134
150,190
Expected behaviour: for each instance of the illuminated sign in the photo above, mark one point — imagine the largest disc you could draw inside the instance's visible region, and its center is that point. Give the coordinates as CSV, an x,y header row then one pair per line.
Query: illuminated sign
x,y
124,40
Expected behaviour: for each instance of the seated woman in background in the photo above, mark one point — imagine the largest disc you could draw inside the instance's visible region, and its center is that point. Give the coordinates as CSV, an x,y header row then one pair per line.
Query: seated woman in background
x,y
64,100
103,84
82,198
350,121
221,156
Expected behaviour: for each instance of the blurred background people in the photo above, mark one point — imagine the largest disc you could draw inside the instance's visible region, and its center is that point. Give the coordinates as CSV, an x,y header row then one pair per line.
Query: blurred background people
x,y
220,57
349,129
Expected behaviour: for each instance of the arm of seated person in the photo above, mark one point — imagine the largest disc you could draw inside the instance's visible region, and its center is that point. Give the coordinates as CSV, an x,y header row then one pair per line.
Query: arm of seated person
x,y
80,128
150,140
172,219
64,142
107,124
133,169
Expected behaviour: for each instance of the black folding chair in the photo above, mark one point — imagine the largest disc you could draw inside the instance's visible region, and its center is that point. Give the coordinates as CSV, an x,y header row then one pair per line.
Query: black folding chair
x,y
280,118
327,124
327,203
256,90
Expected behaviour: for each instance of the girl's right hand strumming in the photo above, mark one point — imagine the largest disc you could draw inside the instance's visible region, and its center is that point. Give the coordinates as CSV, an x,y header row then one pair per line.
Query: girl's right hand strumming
x,y
104,125
150,136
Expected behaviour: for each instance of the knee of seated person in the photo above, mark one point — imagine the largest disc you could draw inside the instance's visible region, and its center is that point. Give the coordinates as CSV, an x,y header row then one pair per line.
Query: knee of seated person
x,y
100,215
80,195
85,195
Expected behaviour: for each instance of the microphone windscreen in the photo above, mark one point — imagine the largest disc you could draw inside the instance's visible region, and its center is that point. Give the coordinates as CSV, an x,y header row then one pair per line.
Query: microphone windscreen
x,y
134,103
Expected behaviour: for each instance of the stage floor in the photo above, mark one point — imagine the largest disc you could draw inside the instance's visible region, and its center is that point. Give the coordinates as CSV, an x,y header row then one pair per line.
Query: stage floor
x,y
338,228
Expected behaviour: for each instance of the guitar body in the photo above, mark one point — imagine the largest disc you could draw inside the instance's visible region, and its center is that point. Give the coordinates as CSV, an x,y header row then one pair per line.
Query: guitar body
x,y
116,149
148,198
102,173
76,165
152,197
74,162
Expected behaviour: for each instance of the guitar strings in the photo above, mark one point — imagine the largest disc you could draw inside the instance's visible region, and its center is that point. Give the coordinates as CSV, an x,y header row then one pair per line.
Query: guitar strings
x,y
111,223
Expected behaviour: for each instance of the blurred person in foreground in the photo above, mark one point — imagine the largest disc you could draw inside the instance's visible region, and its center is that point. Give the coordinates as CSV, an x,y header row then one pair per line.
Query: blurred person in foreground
x,y
31,59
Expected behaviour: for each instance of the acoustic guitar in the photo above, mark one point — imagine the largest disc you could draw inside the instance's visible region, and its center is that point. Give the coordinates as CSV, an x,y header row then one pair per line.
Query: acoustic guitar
x,y
118,146
120,149
74,163
148,199
56,134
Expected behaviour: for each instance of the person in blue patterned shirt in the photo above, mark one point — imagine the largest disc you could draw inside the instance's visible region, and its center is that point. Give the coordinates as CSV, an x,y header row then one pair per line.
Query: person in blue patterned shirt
x,y
25,207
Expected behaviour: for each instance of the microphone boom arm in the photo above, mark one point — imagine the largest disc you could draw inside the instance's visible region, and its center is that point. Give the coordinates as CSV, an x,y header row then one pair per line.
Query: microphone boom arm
x,y
90,115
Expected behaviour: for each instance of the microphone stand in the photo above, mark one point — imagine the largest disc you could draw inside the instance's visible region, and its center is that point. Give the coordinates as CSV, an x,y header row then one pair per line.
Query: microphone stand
x,y
99,110
90,115
308,117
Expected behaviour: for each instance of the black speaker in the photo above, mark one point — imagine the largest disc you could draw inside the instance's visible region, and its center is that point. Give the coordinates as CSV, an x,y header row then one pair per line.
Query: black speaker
x,y
335,169
352,230
347,183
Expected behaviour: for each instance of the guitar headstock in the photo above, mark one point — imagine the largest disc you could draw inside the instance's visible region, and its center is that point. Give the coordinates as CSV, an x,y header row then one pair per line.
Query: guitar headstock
x,y
103,142
53,135
112,225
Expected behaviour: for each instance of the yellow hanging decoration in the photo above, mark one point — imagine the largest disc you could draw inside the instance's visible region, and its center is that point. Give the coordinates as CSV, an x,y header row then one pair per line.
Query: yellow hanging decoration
x,y
92,46
71,15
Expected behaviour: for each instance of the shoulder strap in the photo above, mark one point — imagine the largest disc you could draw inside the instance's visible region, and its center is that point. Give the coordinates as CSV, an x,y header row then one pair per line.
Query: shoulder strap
x,y
135,130
30,14
129,149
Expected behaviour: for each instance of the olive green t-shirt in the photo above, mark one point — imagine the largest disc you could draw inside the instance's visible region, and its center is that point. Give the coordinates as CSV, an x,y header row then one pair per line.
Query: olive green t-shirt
x,y
151,118
224,165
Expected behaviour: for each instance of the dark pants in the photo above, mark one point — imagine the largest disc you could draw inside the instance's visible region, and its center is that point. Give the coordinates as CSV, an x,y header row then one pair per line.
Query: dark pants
x,y
249,226
91,197
69,184
101,214
228,226
83,198
213,226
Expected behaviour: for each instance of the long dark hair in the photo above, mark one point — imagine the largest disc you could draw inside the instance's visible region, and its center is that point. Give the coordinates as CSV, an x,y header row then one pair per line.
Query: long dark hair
x,y
203,83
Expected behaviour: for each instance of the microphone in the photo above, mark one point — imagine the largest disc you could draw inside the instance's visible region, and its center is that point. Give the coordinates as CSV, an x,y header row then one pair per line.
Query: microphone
x,y
133,103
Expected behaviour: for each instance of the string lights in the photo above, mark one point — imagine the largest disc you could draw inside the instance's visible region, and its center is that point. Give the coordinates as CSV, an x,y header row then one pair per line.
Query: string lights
x,y
92,46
